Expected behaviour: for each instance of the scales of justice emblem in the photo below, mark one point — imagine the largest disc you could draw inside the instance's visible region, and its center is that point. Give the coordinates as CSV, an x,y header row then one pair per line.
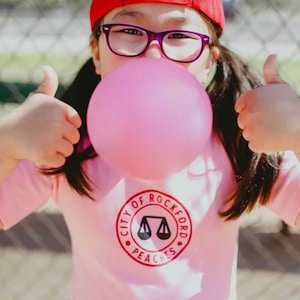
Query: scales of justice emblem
x,y
163,232
153,228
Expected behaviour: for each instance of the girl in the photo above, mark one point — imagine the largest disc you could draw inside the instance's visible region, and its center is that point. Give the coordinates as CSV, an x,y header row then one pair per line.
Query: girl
x,y
174,238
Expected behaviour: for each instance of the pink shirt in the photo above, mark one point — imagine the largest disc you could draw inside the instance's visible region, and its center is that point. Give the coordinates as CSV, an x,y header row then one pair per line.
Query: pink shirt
x,y
149,239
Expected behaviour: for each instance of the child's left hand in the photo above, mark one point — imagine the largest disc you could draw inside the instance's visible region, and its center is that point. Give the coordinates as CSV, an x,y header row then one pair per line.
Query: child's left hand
x,y
269,115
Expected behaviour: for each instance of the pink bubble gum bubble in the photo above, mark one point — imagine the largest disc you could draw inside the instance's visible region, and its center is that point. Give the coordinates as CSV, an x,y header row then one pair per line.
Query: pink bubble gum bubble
x,y
149,118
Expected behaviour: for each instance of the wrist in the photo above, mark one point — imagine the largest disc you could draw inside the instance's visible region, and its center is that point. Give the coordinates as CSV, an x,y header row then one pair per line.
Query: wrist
x,y
8,141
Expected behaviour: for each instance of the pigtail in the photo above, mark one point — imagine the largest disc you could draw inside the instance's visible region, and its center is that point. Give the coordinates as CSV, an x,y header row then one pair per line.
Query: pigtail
x,y
255,173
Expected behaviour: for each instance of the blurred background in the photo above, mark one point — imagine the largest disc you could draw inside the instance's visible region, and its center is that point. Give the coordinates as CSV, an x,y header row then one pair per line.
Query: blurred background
x,y
35,256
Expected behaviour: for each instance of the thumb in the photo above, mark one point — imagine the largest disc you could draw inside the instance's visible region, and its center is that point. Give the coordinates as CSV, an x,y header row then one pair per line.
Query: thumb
x,y
270,71
49,87
50,83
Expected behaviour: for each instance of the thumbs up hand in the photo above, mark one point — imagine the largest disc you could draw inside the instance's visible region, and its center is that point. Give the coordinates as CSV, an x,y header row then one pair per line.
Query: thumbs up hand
x,y
269,115
43,129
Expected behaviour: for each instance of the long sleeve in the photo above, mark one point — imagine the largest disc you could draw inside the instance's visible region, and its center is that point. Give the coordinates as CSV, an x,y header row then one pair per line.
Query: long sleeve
x,y
285,197
24,191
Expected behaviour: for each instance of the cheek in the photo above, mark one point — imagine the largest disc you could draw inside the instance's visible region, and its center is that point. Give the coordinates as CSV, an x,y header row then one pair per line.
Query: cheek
x,y
200,68
109,61
198,71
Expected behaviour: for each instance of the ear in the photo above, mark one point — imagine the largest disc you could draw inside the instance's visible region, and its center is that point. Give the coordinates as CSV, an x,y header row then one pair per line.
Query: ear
x,y
94,44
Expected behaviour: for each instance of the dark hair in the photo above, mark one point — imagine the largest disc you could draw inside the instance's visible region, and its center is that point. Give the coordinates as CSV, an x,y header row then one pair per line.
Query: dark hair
x,y
255,173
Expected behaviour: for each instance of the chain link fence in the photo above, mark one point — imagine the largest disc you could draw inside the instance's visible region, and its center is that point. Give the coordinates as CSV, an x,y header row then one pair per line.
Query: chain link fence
x,y
35,255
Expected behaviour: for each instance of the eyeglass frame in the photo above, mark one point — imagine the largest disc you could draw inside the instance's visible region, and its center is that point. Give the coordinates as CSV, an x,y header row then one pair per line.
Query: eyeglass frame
x,y
155,36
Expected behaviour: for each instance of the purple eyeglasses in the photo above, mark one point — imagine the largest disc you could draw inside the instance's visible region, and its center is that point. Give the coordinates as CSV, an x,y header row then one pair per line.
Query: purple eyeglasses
x,y
177,45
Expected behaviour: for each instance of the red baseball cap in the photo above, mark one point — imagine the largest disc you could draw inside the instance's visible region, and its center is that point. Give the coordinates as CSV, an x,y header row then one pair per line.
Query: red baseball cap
x,y
211,8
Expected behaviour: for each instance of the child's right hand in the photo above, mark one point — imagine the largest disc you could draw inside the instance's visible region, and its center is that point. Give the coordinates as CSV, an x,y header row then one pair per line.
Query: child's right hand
x,y
43,129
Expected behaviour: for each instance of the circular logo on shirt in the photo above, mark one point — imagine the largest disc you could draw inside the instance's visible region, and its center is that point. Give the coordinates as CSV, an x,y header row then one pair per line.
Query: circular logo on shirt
x,y
153,228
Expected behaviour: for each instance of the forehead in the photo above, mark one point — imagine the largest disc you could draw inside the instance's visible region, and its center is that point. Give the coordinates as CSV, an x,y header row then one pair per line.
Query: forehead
x,y
156,13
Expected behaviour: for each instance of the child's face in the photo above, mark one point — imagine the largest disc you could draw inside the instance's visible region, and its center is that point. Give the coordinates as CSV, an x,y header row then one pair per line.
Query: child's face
x,y
157,18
